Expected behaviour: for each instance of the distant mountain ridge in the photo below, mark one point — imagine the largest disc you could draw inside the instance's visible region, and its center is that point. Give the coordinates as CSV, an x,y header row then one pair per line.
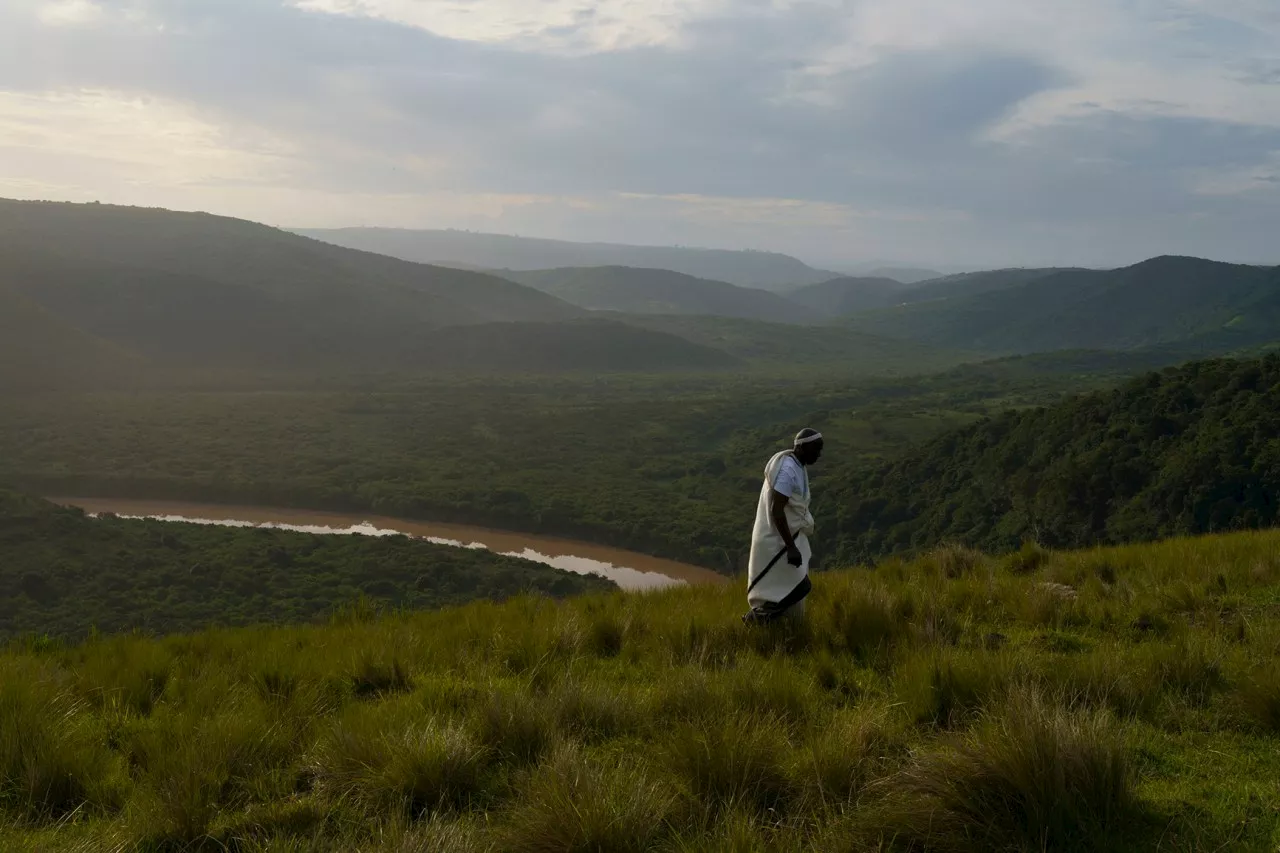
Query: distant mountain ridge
x,y
1167,300
652,291
496,252
841,296
106,289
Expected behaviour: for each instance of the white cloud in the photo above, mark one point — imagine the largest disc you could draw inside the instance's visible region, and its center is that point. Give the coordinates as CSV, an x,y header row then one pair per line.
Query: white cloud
x,y
1008,130
544,24
62,13
82,138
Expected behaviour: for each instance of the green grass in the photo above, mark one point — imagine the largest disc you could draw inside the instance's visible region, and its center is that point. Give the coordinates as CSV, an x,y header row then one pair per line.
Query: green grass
x,y
1120,699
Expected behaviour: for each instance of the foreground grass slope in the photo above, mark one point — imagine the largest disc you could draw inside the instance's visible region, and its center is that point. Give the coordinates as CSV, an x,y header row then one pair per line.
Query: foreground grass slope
x,y
1122,699
65,574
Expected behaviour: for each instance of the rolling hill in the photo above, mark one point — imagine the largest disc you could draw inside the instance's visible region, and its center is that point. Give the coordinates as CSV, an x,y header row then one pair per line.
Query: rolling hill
x,y
1214,306
771,344
92,286
905,275
596,345
498,252
973,283
1184,451
655,291
38,351
841,296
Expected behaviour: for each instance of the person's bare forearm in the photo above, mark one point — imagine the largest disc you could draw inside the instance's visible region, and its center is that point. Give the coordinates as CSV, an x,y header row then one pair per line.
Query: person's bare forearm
x,y
778,512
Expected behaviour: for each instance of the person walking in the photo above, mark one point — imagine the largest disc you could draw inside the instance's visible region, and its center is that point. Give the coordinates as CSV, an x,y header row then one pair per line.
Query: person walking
x,y
778,571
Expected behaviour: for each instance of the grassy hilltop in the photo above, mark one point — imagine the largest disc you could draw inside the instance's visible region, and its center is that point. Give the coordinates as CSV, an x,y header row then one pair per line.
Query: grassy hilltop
x,y
1123,699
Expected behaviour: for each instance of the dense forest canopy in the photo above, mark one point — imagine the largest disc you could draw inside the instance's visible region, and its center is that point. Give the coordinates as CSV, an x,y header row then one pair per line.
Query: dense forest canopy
x,y
65,574
1187,450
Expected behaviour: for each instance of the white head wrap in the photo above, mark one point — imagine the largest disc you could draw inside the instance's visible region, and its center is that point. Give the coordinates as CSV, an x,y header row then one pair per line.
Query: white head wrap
x,y
809,439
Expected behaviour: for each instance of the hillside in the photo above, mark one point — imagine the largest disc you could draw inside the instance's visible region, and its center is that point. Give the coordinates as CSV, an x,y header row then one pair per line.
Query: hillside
x,y
1184,451
776,345
654,291
40,352
1121,700
498,252
973,283
841,296
905,275
600,346
201,289
66,573
1161,301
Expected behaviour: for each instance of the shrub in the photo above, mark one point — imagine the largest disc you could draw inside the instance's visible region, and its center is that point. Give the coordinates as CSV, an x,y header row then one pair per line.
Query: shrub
x,y
1032,776
574,804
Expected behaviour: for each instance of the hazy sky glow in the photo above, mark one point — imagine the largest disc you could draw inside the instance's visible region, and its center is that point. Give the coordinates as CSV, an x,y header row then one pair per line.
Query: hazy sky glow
x,y
932,131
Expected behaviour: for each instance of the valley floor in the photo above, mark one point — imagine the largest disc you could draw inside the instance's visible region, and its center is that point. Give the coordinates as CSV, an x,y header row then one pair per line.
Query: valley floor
x,y
1111,699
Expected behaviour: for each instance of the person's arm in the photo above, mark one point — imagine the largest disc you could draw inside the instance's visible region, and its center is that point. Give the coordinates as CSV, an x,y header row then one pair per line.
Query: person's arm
x,y
778,513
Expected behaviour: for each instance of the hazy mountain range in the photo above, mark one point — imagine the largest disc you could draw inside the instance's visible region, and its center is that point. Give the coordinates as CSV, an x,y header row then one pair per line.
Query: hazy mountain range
x,y
497,252
94,292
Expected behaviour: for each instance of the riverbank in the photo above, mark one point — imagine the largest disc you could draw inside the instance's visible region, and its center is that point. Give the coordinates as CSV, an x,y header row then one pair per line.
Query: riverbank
x,y
628,569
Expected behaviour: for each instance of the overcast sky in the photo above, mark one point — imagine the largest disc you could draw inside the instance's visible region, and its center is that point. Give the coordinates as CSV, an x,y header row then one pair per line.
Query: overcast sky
x,y
944,132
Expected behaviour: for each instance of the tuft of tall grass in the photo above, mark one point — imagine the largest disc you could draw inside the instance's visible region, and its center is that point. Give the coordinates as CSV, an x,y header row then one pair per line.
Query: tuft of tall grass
x,y
688,695
1259,696
378,674
1032,776
516,726
942,687
51,764
386,760
864,620
955,561
574,803
605,636
436,835
775,688
593,713
854,748
125,675
1027,559
190,769
736,762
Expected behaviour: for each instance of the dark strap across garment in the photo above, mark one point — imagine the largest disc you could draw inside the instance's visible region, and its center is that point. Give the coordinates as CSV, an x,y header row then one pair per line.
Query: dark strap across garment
x,y
776,557
769,611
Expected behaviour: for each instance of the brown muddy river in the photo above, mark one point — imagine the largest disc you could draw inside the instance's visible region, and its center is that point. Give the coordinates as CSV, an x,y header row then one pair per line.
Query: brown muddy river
x,y
629,570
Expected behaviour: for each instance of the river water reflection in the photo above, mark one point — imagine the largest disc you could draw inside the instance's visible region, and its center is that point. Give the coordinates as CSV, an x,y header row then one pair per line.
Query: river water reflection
x,y
629,570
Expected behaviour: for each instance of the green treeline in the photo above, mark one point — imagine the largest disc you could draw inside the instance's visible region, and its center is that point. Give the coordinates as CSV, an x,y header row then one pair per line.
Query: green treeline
x,y
987,455
1183,451
66,573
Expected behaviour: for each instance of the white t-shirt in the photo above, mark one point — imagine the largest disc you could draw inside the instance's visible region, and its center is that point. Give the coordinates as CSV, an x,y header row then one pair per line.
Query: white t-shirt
x,y
791,479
